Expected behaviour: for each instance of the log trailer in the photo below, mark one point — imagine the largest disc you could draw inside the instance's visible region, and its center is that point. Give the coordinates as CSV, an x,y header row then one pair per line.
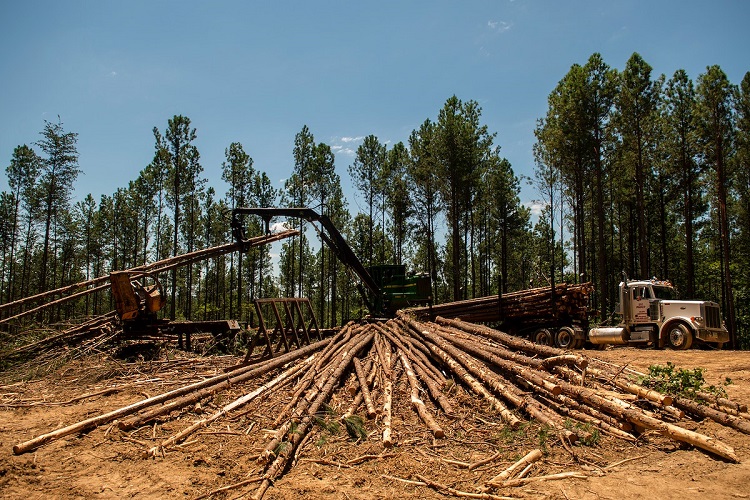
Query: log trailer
x,y
649,315
385,289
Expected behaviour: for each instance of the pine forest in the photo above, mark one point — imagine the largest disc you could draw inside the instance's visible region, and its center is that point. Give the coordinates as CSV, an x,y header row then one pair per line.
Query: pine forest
x,y
637,173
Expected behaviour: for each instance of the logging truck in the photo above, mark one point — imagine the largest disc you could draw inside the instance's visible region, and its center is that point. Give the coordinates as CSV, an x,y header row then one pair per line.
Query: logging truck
x,y
649,315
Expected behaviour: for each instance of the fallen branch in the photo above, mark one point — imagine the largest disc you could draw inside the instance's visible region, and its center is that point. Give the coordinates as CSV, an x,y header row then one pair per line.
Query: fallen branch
x,y
529,458
552,477
230,487
387,395
456,493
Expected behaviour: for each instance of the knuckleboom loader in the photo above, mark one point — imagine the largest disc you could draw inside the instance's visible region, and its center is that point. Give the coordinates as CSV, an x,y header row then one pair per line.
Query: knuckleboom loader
x,y
384,288
651,314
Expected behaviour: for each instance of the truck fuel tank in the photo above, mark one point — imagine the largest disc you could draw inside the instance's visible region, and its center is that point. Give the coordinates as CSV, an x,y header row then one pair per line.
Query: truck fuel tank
x,y
613,335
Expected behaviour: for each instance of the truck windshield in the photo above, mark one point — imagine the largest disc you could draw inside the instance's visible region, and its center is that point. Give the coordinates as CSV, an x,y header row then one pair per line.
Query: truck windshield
x,y
664,292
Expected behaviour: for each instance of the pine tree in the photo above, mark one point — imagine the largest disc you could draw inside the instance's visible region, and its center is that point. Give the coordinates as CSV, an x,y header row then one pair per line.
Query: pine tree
x,y
716,128
59,171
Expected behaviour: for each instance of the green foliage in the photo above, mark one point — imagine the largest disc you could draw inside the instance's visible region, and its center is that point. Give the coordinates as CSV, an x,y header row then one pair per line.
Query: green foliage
x,y
355,427
329,422
281,447
687,383
331,425
543,435
508,435
587,433
293,427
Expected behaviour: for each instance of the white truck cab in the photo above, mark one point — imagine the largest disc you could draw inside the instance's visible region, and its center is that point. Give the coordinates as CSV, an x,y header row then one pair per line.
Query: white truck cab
x,y
651,313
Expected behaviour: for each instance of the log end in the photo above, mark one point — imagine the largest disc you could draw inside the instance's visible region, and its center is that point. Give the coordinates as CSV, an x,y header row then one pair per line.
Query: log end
x,y
124,425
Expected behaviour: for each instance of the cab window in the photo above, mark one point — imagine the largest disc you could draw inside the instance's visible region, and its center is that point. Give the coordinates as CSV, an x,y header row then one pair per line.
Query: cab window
x,y
665,292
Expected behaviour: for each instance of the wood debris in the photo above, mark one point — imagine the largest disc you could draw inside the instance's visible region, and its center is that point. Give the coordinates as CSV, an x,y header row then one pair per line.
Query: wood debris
x,y
570,394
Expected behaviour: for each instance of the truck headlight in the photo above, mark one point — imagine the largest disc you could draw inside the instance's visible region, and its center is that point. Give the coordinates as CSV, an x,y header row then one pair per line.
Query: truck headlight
x,y
697,319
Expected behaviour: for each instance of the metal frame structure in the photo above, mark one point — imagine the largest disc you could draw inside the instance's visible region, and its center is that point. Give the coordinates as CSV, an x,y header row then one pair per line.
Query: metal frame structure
x,y
292,324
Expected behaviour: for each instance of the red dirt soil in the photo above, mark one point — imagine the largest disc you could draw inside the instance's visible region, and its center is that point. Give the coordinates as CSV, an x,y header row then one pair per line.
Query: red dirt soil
x,y
108,463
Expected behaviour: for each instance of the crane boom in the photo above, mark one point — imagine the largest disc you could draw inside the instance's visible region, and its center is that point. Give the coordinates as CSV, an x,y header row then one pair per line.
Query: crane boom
x,y
332,237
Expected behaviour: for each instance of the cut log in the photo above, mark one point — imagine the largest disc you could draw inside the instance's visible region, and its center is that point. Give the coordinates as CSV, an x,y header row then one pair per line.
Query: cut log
x,y
278,380
364,389
387,394
719,416
416,402
245,373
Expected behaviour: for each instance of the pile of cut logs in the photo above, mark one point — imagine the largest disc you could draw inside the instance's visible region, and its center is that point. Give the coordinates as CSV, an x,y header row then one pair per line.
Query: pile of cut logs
x,y
515,379
569,301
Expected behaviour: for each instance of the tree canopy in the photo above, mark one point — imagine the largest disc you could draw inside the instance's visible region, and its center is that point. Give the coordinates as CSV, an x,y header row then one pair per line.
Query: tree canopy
x,y
635,172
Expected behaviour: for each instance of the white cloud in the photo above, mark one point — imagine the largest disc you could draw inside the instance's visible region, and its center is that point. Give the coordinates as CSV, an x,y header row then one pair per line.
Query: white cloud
x,y
346,145
113,74
352,139
535,207
499,26
277,227
341,150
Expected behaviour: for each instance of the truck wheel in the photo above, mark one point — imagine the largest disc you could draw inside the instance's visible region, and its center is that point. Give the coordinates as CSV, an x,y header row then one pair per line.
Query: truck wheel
x,y
565,338
542,337
679,337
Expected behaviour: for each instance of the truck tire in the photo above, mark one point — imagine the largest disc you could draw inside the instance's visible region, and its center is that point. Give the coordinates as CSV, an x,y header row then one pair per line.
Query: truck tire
x,y
542,337
565,338
679,336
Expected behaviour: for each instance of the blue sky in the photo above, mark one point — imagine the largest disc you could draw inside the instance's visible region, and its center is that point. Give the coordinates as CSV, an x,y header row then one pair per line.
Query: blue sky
x,y
256,72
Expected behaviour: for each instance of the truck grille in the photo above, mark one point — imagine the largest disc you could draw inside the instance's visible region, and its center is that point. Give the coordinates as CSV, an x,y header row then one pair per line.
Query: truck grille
x,y
712,315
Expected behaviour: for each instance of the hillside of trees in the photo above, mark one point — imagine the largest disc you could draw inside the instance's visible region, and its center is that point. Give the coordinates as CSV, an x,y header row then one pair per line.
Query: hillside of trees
x,y
638,173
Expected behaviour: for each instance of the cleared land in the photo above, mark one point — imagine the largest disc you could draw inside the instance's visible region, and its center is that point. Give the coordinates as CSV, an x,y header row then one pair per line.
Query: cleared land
x,y
109,463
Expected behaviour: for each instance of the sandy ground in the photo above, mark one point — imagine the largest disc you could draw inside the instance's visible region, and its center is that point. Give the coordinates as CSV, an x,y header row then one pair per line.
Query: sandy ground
x,y
108,463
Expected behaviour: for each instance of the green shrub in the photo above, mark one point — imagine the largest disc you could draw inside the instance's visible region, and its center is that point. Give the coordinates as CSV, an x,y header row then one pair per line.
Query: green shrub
x,y
680,381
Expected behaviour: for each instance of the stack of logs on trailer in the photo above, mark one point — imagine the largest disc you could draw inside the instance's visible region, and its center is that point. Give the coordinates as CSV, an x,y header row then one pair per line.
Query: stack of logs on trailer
x,y
537,313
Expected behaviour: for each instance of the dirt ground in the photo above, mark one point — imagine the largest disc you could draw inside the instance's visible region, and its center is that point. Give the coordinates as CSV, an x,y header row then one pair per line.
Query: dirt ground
x,y
108,463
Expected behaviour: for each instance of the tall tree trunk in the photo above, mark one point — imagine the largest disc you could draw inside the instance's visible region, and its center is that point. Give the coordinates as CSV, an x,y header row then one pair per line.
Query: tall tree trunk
x,y
727,290
689,259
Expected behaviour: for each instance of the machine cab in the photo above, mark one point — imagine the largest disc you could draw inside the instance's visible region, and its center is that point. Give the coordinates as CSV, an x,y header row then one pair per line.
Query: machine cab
x,y
639,300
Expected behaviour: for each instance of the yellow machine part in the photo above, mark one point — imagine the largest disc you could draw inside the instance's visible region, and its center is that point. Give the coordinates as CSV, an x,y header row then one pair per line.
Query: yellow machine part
x,y
154,299
132,298
126,302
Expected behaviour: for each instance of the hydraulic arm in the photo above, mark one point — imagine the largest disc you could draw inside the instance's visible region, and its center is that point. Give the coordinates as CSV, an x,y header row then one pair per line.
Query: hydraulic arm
x,y
369,289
